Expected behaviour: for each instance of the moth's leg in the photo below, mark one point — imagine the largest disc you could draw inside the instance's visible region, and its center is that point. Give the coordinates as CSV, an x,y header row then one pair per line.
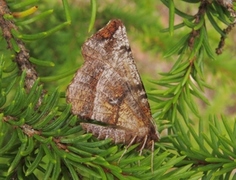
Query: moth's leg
x,y
144,144
142,147
152,158
126,148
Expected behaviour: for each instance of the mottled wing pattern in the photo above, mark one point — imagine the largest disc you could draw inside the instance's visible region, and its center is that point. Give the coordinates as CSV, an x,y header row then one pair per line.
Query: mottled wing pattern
x,y
108,88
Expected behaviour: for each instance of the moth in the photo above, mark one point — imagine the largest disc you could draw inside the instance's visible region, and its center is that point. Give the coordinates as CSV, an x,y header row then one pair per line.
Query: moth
x,y
108,89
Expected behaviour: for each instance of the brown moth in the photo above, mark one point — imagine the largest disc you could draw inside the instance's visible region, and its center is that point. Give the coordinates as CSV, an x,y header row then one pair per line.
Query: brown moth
x,y
108,89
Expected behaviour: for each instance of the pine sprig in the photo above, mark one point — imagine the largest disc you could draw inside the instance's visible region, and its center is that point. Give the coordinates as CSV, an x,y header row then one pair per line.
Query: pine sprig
x,y
185,82
43,140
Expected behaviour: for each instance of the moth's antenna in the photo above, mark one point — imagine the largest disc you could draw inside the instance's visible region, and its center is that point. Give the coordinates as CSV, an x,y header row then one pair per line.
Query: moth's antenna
x,y
131,142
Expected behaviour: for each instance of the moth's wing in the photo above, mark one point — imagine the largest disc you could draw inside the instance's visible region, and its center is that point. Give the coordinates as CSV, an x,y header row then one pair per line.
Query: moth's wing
x,y
82,90
116,95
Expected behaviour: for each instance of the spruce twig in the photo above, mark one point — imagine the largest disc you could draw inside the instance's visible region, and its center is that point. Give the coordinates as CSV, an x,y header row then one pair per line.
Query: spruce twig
x,y
22,56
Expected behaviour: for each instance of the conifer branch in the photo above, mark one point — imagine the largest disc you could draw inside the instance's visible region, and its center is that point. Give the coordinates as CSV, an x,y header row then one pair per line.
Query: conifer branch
x,y
22,54
45,141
